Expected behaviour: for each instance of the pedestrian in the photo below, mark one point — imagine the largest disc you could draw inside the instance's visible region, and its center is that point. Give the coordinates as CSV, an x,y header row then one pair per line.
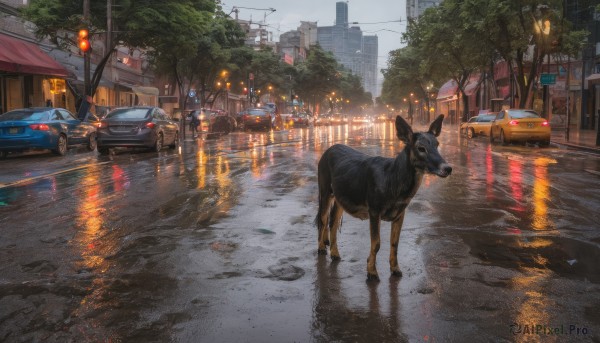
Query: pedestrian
x,y
194,122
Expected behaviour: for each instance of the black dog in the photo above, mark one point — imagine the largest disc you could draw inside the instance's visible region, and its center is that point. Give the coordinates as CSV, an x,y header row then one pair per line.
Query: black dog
x,y
376,188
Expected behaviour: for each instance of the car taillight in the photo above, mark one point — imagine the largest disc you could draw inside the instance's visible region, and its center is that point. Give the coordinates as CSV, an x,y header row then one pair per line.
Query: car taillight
x,y
150,125
513,122
40,127
545,123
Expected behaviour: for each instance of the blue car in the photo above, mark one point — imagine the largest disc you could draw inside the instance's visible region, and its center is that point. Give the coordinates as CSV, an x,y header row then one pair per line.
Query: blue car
x,y
44,128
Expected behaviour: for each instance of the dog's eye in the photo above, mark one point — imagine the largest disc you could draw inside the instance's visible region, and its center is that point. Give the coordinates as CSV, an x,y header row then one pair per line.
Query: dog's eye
x,y
421,149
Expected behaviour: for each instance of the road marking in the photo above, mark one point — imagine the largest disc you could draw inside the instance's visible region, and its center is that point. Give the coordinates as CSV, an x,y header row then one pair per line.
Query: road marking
x,y
39,177
595,172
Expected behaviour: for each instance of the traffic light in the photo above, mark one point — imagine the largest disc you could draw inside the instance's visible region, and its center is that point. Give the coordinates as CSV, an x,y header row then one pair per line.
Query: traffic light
x,y
83,40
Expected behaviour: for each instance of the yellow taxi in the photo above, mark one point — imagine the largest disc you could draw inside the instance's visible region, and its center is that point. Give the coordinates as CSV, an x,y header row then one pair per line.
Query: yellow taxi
x,y
520,125
478,125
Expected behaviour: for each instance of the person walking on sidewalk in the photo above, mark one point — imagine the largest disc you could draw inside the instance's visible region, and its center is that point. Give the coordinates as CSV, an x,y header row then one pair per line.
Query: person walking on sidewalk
x,y
195,121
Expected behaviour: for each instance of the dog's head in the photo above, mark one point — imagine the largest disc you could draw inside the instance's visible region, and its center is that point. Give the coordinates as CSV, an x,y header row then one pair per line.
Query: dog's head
x,y
422,147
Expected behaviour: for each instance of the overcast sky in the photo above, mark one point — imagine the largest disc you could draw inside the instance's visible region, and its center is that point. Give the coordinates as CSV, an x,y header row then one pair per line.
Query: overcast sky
x,y
289,13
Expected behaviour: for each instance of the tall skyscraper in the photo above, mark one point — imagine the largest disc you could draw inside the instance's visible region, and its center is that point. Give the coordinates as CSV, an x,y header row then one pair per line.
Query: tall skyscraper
x,y
341,14
351,48
415,8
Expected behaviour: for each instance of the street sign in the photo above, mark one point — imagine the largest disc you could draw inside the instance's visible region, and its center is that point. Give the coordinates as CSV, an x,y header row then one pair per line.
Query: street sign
x,y
547,79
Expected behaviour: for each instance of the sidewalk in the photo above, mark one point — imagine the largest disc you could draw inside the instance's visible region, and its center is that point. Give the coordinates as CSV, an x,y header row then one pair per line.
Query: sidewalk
x,y
578,139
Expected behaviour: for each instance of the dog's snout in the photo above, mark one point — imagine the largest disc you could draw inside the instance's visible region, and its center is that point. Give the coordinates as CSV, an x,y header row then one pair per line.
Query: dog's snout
x,y
447,169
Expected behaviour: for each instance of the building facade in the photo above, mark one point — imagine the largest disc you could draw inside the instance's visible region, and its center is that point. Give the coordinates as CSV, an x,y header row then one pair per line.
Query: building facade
x,y
415,8
126,79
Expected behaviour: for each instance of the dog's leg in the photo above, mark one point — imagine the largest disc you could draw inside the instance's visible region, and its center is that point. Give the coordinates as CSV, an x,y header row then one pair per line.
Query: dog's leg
x,y
334,221
375,242
324,224
394,239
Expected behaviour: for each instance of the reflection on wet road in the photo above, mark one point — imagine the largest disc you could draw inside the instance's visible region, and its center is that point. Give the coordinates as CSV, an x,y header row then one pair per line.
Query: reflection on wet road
x,y
215,242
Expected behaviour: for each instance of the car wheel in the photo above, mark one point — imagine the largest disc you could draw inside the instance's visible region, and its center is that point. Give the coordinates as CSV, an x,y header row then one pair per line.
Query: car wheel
x,y
470,133
159,143
545,143
61,145
103,150
175,141
92,143
491,137
3,154
503,139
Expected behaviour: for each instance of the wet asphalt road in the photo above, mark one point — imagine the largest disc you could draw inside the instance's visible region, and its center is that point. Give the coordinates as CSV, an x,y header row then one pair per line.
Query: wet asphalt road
x,y
215,242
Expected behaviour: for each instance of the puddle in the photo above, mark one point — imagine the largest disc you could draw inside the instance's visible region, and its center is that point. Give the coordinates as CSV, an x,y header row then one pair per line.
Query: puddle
x,y
566,257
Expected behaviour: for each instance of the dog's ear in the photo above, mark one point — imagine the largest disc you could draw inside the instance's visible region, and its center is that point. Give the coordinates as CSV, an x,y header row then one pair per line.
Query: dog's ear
x,y
403,131
436,126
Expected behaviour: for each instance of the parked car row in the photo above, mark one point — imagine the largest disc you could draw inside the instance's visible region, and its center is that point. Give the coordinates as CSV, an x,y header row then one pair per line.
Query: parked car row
x,y
57,129
509,125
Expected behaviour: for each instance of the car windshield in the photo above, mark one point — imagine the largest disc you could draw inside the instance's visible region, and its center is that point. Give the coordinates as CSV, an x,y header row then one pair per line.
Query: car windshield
x,y
486,118
257,112
518,114
128,113
26,115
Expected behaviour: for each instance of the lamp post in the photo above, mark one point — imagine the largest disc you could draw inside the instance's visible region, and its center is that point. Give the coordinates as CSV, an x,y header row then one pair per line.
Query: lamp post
x,y
542,28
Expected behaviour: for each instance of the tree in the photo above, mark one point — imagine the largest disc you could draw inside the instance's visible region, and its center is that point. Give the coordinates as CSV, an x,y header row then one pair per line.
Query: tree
x,y
447,48
406,74
517,32
162,26
352,93
317,76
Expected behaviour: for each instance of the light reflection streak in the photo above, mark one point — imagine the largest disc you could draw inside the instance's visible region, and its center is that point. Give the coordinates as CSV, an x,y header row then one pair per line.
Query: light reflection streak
x,y
90,214
541,194
515,170
222,175
489,173
202,160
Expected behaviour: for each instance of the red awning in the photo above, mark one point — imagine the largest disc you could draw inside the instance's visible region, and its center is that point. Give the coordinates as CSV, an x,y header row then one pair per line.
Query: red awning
x,y
19,56
447,90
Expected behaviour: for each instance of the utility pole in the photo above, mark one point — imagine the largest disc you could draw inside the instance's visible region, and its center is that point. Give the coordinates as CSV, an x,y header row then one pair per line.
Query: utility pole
x,y
86,55
85,104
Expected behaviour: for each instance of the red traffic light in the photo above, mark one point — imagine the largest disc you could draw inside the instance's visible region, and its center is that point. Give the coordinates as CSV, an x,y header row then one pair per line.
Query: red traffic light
x,y
84,45
83,41
83,34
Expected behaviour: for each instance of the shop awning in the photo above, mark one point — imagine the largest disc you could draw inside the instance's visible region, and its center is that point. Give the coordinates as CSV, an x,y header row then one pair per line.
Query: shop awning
x,y
18,56
593,77
148,91
472,85
448,90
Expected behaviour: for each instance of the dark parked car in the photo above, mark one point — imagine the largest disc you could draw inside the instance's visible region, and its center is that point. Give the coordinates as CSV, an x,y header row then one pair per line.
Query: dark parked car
x,y
44,128
140,126
299,119
257,118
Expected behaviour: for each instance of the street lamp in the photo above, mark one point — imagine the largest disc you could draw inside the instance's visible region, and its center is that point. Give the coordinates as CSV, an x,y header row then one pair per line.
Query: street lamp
x,y
270,89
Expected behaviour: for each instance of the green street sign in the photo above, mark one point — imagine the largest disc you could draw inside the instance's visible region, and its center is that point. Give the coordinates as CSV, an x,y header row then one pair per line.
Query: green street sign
x,y
548,79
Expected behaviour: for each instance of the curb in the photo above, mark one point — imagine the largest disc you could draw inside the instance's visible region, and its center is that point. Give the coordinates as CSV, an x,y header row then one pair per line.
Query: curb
x,y
594,150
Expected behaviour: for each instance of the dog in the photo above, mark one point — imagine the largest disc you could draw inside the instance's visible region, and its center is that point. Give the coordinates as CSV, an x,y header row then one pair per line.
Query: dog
x,y
375,188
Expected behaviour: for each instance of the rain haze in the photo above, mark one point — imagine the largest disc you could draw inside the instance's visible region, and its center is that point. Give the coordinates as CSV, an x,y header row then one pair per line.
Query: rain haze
x,y
385,18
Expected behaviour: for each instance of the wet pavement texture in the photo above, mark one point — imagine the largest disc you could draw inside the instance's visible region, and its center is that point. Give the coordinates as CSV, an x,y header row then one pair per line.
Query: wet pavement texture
x,y
215,242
